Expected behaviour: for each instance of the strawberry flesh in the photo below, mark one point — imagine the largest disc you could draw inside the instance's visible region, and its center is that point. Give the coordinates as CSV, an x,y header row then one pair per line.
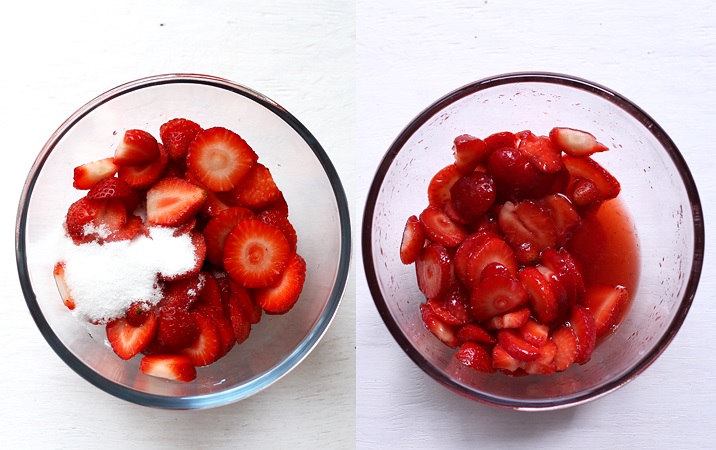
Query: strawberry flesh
x,y
219,158
170,367
137,148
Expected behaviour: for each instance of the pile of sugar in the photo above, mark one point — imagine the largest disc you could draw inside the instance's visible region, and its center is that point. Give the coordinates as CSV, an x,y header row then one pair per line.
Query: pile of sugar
x,y
104,280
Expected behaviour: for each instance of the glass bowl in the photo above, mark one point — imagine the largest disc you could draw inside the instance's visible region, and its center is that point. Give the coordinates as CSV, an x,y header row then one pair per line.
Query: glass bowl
x,y
302,170
657,189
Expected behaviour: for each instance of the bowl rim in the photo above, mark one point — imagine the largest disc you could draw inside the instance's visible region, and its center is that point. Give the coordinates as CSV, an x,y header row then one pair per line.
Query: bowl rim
x,y
254,385
546,78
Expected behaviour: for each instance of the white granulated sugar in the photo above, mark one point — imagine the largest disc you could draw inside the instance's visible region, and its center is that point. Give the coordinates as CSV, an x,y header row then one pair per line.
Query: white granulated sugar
x,y
102,230
104,280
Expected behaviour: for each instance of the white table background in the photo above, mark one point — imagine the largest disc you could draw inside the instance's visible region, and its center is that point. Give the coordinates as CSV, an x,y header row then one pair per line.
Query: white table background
x,y
56,56
659,54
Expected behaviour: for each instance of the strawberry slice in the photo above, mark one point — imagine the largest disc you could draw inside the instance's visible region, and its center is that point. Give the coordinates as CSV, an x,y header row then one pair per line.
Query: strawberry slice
x,y
177,134
565,218
440,185
534,333
473,332
255,254
256,190
218,228
469,152
475,356
205,349
457,302
227,339
412,242
607,304
137,148
576,143
492,250
542,298
471,244
127,340
138,313
60,280
278,206
515,346
144,176
584,327
564,267
567,348
503,360
514,176
170,367
280,221
107,188
496,295
472,195
281,296
589,169
444,332
173,201
252,311
528,229
131,229
544,364
540,151
89,174
584,193
176,328
514,319
503,139
433,270
219,158
236,312
440,228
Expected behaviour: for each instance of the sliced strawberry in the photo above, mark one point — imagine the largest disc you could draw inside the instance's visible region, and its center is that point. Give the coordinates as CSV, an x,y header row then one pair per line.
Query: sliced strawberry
x,y
89,174
278,206
528,228
566,219
170,367
137,148
173,201
281,296
218,228
246,301
412,242
280,221
564,267
493,269
81,213
471,244
584,327
473,194
475,356
514,319
473,332
256,190
224,327
584,193
61,282
107,188
544,364
434,271
607,304
89,220
457,302
176,328
492,250
453,214
182,293
576,143
197,240
496,295
534,333
469,152
503,360
439,228
235,311
503,139
138,313
515,346
514,176
205,349
446,333
440,184
589,169
144,176
542,299
219,158
567,348
540,151
176,135
175,167
127,340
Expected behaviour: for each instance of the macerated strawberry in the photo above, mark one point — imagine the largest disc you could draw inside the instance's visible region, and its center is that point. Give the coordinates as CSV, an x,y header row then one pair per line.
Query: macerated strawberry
x,y
471,244
515,346
540,151
137,148
542,298
576,143
473,332
218,228
564,266
255,254
144,176
280,221
514,319
457,302
528,229
469,152
567,347
566,219
127,340
173,201
205,349
503,139
496,295
453,214
473,194
475,356
412,242
584,193
433,270
439,228
219,158
492,250
444,332
544,364
170,367
607,304
89,174
584,327
177,134
281,296
60,280
514,176
503,360
534,332
256,190
589,169
440,184
495,268
107,188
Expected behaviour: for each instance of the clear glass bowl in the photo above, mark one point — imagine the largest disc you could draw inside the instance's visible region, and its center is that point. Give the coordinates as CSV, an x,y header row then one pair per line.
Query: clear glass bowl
x,y
301,168
657,189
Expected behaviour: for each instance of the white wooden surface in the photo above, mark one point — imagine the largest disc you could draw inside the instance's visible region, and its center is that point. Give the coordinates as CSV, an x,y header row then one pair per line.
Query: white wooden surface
x,y
659,54
58,55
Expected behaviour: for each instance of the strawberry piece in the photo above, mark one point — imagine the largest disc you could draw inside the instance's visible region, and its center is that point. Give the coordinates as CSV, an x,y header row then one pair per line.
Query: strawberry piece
x,y
567,348
473,195
453,214
514,176
473,332
514,319
534,333
439,228
565,218
89,220
587,168
528,229
278,206
246,301
440,309
218,228
255,254
144,176
236,312
515,346
227,339
80,213
576,143
607,304
492,250
127,340
219,158
176,135
170,367
503,139
542,299
584,193
544,364
182,293
469,152
137,148
475,356
173,201
434,271
256,190
503,360
89,174
412,242
205,349
471,244
131,229
457,302
138,313
496,295
176,328
584,327
440,185
281,296
444,332
540,151
280,221
493,269
564,267
107,188
60,280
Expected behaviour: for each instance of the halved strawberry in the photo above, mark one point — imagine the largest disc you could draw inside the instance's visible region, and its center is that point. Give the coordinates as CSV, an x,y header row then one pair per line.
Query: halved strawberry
x,y
542,299
475,356
218,228
584,327
469,152
518,348
440,228
170,367
127,340
412,242
256,190
205,349
281,296
503,360
567,347
177,134
446,333
492,250
111,187
144,176
89,174
566,219
514,176
173,201
280,221
534,332
503,139
473,332
434,271
496,295
576,143
60,280
514,319
219,158
607,304
589,169
473,194
255,254
440,184
540,151
137,148
528,228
